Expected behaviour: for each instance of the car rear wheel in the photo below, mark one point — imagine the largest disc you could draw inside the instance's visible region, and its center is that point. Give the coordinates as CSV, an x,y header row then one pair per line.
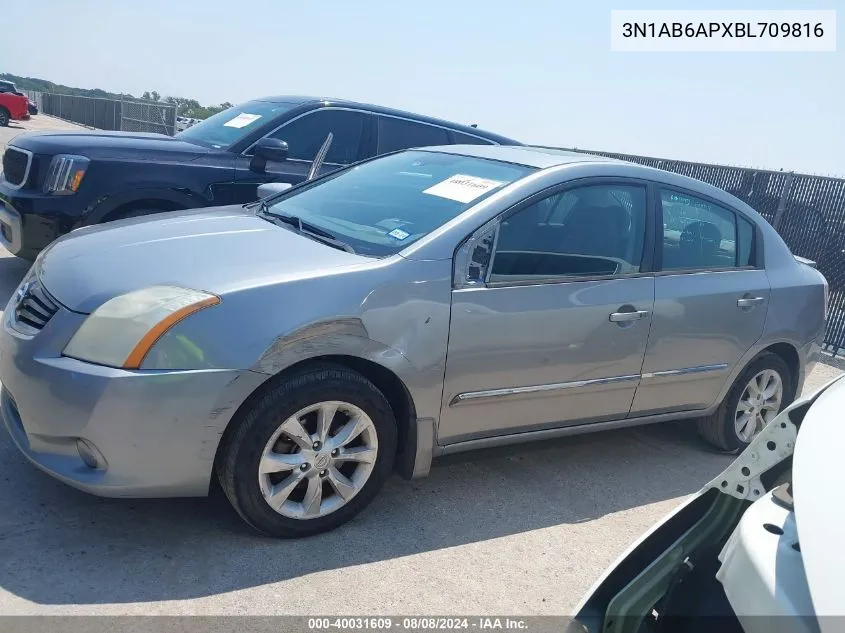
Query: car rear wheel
x,y
760,392
4,117
310,454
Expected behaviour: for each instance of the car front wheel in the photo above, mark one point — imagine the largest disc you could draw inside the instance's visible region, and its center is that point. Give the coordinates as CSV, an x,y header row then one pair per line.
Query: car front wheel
x,y
760,392
310,454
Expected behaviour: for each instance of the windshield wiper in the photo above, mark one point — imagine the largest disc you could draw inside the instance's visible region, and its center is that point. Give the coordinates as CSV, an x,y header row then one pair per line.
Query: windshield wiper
x,y
308,229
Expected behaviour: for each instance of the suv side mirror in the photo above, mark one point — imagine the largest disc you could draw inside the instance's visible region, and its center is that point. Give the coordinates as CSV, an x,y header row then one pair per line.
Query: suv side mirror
x,y
267,149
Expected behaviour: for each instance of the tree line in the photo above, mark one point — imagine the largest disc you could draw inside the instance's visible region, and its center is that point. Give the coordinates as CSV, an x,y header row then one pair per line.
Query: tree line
x,y
184,106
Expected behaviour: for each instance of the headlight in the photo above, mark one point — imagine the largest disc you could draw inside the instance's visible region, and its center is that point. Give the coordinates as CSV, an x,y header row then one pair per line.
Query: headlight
x,y
122,331
65,174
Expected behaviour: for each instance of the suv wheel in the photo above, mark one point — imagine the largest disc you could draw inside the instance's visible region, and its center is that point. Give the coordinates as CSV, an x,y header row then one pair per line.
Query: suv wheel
x,y
760,392
4,117
310,454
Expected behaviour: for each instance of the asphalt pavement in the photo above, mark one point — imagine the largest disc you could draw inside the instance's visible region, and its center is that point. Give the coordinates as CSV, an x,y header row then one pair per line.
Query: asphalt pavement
x,y
521,530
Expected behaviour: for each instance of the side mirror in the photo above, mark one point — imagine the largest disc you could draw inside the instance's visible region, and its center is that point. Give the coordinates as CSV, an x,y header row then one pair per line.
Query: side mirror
x,y
271,188
267,149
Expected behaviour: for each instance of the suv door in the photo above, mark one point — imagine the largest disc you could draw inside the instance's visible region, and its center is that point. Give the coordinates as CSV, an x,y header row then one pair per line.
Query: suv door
x,y
554,332
395,134
711,299
305,135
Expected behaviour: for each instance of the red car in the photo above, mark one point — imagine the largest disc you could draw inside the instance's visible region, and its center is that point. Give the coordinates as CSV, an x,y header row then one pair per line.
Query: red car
x,y
13,106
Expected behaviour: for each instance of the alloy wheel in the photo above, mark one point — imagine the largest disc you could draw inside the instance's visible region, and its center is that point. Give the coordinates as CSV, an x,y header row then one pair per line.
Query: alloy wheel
x,y
318,459
759,404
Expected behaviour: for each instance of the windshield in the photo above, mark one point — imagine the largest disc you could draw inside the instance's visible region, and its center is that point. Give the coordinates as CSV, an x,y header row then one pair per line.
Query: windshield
x,y
382,206
226,128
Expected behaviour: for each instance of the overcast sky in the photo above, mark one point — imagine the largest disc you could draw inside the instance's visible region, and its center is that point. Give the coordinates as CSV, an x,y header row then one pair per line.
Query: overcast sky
x,y
540,71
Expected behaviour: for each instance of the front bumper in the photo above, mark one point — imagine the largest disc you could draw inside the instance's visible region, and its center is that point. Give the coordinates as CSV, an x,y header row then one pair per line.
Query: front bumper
x,y
158,431
30,220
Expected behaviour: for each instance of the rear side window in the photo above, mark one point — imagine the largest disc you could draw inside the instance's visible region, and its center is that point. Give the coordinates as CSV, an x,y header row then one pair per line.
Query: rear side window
x,y
394,134
466,139
698,234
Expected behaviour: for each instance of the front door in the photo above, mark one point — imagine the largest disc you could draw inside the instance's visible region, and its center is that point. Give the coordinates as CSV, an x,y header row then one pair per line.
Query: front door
x,y
711,299
556,334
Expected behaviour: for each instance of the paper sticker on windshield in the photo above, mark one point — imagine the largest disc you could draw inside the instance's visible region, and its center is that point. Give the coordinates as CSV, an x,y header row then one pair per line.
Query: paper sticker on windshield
x,y
462,188
399,234
242,120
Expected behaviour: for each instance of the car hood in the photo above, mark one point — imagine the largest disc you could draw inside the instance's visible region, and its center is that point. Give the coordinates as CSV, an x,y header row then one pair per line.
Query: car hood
x,y
817,491
102,144
218,250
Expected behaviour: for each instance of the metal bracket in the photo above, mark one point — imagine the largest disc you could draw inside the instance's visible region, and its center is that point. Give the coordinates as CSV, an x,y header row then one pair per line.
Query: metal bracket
x,y
773,444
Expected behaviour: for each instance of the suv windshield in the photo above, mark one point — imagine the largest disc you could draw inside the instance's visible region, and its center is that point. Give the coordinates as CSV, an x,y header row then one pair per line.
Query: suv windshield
x,y
226,128
382,206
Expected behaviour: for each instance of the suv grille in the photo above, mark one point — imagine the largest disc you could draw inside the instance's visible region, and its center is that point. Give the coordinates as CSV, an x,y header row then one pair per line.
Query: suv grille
x,y
16,166
33,307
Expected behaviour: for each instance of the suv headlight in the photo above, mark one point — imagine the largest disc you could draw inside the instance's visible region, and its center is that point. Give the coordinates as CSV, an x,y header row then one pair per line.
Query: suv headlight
x,y
124,329
65,174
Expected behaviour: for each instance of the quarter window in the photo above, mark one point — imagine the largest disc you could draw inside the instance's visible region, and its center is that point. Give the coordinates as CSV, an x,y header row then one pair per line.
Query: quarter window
x,y
596,230
306,135
394,134
698,234
467,139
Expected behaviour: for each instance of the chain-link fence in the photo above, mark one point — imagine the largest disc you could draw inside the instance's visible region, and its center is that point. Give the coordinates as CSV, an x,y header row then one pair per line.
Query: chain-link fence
x,y
108,114
807,211
138,116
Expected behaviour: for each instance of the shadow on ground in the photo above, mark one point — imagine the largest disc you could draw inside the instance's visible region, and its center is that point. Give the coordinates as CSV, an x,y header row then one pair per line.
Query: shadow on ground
x,y
59,546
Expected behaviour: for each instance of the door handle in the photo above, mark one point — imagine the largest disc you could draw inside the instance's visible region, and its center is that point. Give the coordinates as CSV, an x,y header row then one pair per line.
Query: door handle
x,y
749,302
626,317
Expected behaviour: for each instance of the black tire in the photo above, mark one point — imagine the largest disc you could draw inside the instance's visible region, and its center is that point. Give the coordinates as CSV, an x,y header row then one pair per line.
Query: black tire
x,y
237,465
4,117
719,429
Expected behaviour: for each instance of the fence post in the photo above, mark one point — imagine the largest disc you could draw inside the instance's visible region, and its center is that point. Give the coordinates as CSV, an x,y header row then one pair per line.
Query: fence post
x,y
784,196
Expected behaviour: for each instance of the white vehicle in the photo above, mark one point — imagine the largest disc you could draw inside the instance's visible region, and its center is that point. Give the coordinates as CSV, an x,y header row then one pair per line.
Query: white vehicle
x,y
184,122
755,551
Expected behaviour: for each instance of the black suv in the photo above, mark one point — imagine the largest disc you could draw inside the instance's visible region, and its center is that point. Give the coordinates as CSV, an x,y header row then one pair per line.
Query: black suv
x,y
55,182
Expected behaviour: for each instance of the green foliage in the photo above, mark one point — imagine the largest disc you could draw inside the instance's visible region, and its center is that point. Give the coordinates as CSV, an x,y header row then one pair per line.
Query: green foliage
x,y
42,85
184,106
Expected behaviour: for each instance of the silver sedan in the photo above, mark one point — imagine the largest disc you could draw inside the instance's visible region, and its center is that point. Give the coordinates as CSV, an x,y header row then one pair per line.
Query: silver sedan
x,y
422,303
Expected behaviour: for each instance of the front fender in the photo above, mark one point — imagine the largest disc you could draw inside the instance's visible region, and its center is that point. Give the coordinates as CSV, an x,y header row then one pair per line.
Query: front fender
x,y
341,337
104,205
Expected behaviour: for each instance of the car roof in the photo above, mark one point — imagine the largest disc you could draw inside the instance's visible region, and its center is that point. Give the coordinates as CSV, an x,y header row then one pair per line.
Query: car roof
x,y
377,109
530,156
547,157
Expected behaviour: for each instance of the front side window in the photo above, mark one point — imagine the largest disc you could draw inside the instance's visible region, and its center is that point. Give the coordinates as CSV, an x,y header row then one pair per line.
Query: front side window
x,y
306,135
596,230
698,234
382,206
226,128
396,134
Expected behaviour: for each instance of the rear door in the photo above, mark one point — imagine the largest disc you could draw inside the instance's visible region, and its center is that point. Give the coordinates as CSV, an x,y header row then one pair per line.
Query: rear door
x,y
711,298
